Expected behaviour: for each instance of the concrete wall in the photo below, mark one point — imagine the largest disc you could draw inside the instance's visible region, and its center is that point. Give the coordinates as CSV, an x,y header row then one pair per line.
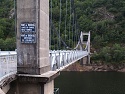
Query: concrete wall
x,y
27,55
49,87
18,87
29,88
85,60
44,63
33,58
1,91
6,88
23,87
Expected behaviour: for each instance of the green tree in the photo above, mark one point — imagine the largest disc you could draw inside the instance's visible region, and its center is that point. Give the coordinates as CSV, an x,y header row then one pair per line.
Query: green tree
x,y
118,53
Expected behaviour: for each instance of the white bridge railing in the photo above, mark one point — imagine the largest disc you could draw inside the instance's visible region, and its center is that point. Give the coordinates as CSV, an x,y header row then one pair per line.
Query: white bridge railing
x,y
58,59
61,59
8,63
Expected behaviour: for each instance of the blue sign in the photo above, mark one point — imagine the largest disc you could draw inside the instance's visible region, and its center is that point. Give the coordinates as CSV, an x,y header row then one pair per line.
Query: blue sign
x,y
28,38
28,27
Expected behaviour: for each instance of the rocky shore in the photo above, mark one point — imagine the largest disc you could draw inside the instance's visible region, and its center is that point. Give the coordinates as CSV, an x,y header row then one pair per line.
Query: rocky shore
x,y
95,67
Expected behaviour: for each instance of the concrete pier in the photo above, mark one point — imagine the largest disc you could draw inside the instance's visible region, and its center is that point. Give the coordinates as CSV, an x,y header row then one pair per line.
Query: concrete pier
x,y
34,75
33,36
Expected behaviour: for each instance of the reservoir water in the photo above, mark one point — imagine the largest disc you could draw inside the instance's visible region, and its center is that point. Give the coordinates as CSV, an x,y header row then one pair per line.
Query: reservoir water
x,y
91,83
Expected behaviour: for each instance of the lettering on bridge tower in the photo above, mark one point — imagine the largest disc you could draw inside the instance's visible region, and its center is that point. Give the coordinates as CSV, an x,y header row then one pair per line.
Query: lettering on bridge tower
x,y
28,33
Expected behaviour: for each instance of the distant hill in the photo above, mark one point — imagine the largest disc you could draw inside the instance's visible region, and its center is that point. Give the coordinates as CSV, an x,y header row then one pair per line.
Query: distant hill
x,y
7,32
106,21
104,18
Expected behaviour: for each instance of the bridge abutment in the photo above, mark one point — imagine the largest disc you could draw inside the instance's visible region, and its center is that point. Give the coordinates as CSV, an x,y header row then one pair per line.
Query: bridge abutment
x,y
85,60
33,84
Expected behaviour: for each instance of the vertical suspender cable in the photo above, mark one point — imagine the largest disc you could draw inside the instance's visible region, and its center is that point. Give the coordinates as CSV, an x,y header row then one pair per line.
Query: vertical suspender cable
x,y
75,29
73,23
50,33
66,21
15,16
59,26
69,22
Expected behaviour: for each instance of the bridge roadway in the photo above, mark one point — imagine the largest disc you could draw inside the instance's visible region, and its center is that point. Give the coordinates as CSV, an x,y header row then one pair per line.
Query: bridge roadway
x,y
59,60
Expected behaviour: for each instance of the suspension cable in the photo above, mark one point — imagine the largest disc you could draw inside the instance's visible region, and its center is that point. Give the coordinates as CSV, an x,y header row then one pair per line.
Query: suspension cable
x,y
60,24
66,46
73,26
70,22
66,21
73,23
57,33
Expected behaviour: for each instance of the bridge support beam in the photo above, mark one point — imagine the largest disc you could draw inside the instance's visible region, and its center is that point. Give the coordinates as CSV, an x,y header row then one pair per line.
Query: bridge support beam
x,y
33,36
85,60
88,59
87,43
33,66
34,84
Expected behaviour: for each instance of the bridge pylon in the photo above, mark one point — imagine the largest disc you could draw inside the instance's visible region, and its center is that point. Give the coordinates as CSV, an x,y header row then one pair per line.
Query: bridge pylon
x,y
34,75
85,45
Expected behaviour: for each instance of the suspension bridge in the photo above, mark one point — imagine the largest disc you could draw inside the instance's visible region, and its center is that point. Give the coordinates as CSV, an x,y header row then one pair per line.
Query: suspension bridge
x,y
30,64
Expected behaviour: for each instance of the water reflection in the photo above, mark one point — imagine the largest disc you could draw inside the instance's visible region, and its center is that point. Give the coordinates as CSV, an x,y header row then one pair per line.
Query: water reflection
x,y
91,83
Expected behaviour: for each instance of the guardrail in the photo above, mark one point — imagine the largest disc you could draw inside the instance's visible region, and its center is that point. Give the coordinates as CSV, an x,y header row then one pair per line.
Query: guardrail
x,y
7,52
59,58
8,64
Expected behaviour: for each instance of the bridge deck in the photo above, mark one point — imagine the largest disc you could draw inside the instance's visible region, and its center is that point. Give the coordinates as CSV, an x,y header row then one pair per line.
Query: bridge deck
x,y
58,59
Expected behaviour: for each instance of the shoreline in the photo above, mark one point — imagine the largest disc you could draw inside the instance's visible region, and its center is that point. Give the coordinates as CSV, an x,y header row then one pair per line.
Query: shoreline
x,y
95,67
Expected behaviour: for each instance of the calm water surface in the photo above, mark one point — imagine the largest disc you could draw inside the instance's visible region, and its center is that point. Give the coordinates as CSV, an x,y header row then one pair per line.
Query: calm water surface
x,y
91,83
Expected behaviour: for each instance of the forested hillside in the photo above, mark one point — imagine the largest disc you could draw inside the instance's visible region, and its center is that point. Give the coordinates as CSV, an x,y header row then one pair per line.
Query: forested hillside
x,y
7,32
105,19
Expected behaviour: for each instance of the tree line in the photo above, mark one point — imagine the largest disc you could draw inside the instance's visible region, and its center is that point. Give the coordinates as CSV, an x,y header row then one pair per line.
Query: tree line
x,y
7,32
106,21
104,18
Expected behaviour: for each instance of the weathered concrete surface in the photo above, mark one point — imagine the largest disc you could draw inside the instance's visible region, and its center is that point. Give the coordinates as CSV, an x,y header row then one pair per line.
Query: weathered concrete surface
x,y
25,88
84,61
27,53
44,63
33,58
32,88
1,91
49,87
6,88
43,78
34,84
34,75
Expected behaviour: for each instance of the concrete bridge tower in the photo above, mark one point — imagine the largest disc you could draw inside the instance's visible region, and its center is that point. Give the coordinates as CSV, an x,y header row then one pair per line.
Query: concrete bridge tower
x,y
34,75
